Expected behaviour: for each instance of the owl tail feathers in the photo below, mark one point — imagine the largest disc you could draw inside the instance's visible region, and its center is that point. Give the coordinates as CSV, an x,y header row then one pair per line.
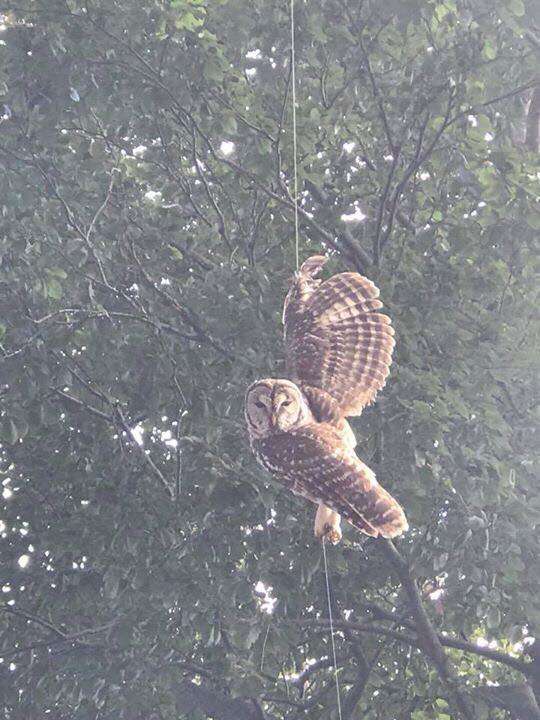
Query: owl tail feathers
x,y
374,511
393,523
388,523
383,513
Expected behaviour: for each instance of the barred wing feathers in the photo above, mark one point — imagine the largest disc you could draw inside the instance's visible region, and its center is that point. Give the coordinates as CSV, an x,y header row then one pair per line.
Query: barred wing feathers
x,y
312,462
335,340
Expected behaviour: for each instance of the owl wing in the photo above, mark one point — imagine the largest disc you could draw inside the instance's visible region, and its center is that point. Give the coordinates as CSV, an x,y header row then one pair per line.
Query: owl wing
x,y
338,348
312,462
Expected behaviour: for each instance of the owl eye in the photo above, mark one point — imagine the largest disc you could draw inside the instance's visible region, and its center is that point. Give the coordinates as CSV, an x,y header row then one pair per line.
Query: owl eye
x,y
259,404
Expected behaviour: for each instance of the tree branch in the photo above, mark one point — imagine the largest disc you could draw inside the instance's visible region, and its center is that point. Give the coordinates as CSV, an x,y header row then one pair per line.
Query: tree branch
x,y
429,640
532,134
148,460
524,667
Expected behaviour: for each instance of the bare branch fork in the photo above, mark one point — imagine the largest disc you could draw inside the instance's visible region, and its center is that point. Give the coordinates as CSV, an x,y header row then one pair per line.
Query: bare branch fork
x,y
371,629
116,418
57,635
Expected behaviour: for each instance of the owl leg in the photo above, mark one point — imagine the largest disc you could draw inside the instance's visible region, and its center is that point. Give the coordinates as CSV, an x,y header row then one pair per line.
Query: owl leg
x,y
327,524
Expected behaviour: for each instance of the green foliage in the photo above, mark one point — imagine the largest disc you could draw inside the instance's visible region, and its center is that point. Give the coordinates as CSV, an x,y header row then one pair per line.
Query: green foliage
x,y
143,266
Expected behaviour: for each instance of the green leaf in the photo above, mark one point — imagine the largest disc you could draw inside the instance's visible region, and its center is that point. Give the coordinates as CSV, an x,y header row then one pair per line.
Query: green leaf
x,y
54,289
212,70
517,7
56,272
533,220
493,618
441,11
230,126
9,431
315,116
189,21
490,51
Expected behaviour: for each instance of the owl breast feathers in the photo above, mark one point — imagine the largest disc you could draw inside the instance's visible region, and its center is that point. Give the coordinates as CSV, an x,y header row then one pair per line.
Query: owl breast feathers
x,y
338,350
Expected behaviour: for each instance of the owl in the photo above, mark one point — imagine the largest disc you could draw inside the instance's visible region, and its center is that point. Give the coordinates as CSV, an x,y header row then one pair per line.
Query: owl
x,y
338,351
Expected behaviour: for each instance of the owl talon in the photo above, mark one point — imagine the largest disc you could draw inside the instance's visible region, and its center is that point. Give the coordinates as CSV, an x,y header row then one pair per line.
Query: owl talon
x,y
327,524
332,534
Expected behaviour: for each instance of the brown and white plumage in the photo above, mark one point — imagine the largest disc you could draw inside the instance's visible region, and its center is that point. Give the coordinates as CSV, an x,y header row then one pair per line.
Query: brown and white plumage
x,y
335,340
338,352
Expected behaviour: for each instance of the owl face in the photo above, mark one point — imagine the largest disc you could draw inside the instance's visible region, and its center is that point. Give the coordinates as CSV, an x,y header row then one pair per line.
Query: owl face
x,y
275,406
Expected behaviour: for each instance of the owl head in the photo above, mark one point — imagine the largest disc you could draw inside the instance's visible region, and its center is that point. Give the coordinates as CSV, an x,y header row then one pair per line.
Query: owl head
x,y
275,406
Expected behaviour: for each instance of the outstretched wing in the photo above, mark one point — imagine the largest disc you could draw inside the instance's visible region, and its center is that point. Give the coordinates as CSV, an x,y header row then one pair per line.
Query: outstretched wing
x,y
313,462
336,341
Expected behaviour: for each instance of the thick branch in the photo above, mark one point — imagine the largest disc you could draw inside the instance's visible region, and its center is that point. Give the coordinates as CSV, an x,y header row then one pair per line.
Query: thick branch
x,y
362,676
526,668
426,632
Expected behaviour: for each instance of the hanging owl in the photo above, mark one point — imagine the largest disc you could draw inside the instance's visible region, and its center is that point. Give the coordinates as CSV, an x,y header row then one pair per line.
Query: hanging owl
x,y
338,351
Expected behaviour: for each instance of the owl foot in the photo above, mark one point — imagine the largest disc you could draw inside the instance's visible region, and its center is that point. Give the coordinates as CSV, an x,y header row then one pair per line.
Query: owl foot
x,y
327,525
333,535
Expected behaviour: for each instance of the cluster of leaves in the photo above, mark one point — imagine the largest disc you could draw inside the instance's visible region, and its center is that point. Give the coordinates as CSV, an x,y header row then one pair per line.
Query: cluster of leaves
x,y
146,237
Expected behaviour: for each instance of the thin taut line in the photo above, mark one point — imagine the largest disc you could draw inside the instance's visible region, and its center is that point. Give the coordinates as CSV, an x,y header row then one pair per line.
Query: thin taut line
x,y
295,161
330,617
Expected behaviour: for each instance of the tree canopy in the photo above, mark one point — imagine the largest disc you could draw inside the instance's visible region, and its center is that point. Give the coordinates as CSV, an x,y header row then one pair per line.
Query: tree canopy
x,y
150,569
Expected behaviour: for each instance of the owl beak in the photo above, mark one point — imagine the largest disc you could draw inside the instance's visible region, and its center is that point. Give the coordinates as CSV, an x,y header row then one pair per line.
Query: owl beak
x,y
274,419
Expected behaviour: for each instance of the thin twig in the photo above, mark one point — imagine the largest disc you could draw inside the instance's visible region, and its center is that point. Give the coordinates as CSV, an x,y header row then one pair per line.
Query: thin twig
x,y
142,452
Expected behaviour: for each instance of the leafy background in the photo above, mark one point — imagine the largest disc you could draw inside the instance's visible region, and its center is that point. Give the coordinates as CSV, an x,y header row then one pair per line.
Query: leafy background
x,y
150,570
